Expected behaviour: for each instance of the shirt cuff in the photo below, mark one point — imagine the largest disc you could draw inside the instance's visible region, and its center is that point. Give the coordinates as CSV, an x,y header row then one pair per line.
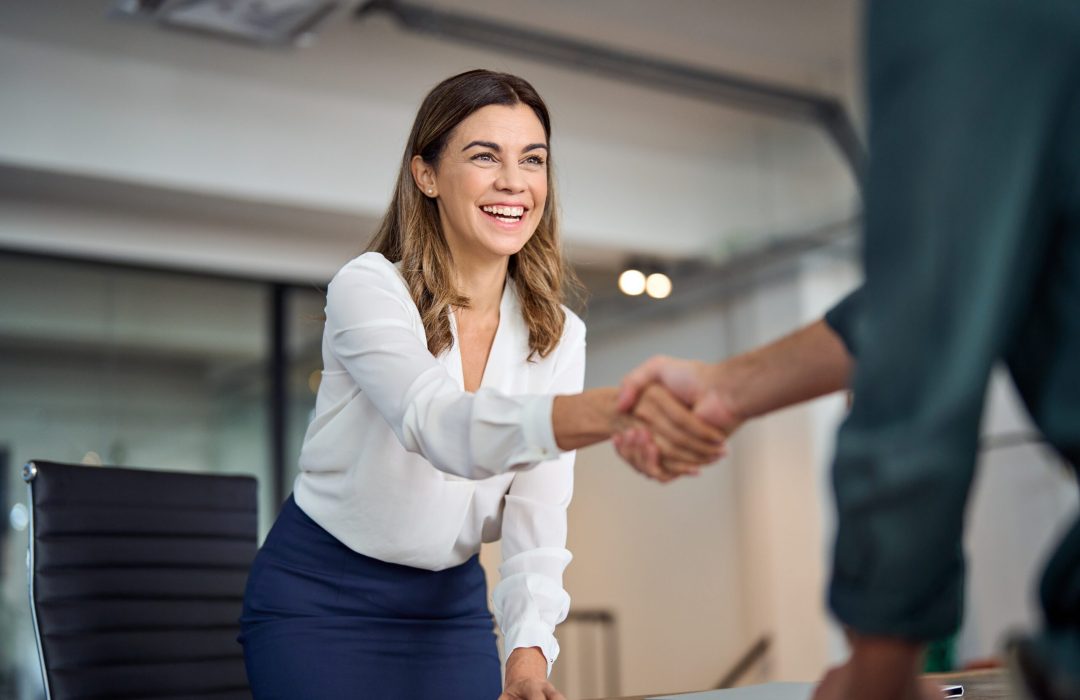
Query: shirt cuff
x,y
528,606
538,429
526,636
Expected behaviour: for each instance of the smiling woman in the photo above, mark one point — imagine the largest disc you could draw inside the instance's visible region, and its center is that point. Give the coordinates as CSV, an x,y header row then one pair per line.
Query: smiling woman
x,y
450,401
490,193
478,153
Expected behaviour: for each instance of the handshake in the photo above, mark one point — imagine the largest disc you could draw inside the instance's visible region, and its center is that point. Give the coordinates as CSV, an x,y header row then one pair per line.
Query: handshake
x,y
670,417
673,416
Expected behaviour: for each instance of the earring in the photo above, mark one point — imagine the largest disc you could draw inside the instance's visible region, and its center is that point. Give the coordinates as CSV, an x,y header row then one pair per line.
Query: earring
x,y
431,191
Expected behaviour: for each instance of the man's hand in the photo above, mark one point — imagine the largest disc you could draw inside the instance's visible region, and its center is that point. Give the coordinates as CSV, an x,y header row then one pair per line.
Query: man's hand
x,y
879,667
526,677
808,363
697,384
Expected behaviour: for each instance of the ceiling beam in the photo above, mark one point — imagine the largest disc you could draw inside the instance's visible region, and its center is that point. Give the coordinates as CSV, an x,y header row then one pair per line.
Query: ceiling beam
x,y
749,94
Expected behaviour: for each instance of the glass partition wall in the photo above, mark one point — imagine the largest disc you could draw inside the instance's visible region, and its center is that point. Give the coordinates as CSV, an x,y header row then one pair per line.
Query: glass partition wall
x,y
102,364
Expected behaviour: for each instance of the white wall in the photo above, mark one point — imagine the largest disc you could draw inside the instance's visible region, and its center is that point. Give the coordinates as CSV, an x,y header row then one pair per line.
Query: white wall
x,y
665,560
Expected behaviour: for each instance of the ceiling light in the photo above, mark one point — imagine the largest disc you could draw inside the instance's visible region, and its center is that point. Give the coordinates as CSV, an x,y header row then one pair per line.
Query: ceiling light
x,y
632,282
658,285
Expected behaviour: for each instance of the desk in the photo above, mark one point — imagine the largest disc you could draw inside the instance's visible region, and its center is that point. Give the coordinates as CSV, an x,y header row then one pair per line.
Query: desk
x,y
981,685
978,685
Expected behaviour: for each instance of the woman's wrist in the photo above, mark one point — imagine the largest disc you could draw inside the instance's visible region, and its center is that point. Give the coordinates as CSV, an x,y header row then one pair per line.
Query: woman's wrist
x,y
525,663
579,420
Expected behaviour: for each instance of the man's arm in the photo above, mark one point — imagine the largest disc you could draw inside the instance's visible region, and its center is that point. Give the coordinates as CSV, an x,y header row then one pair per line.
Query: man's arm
x,y
806,364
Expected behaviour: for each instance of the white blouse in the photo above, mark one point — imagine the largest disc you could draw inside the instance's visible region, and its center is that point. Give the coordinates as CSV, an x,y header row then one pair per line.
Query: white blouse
x,y
401,464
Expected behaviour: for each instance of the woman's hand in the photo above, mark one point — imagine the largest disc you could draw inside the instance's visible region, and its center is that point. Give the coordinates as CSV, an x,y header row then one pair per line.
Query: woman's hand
x,y
526,677
531,689
663,438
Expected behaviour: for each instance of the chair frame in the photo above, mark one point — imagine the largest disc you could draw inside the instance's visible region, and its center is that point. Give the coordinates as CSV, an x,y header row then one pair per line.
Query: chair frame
x,y
29,473
232,499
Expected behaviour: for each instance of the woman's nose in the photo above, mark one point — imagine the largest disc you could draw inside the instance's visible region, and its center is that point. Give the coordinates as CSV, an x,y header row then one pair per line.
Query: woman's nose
x,y
510,178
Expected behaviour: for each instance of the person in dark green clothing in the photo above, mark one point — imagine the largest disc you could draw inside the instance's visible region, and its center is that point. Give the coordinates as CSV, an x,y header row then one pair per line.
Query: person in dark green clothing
x,y
972,257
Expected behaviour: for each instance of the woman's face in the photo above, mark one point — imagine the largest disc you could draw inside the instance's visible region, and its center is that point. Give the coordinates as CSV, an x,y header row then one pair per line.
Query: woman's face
x,y
490,182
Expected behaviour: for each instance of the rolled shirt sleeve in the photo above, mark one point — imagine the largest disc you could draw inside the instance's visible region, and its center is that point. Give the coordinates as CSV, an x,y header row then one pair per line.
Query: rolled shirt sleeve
x,y
843,319
376,334
529,600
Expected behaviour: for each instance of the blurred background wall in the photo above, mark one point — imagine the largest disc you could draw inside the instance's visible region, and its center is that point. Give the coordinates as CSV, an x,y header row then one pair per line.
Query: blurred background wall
x,y
171,205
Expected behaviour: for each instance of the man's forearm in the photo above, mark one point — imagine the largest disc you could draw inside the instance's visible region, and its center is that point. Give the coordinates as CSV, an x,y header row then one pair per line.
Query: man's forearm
x,y
804,365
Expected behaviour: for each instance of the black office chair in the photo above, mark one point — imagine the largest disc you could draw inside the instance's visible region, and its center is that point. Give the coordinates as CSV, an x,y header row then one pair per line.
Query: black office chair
x,y
136,580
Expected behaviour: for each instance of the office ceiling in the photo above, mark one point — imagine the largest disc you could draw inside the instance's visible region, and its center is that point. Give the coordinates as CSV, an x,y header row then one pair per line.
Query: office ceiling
x,y
807,45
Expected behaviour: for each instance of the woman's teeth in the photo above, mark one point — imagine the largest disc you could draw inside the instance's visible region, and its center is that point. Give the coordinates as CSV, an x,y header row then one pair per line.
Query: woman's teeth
x,y
502,213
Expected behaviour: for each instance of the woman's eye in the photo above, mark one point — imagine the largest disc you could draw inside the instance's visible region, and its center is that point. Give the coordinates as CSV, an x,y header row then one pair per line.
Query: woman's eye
x,y
535,160
484,157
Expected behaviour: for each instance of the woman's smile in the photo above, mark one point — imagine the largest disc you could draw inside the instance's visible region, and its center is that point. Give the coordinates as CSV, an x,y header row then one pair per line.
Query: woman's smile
x,y
491,183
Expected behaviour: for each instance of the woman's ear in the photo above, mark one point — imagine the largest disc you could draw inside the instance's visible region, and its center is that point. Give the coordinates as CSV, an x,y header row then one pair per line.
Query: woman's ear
x,y
424,176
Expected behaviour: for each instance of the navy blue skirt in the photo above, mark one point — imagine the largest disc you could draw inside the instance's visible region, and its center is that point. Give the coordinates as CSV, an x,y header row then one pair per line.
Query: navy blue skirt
x,y
322,622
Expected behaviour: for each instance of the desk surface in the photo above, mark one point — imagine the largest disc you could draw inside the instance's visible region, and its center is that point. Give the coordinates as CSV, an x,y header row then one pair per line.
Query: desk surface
x,y
978,685
982,685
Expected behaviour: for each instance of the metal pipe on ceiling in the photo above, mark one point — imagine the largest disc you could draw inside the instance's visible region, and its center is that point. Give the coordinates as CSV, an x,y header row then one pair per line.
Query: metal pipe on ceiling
x,y
750,94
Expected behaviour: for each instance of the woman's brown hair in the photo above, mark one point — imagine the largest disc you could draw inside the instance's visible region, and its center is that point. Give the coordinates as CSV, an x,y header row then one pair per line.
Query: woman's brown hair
x,y
411,231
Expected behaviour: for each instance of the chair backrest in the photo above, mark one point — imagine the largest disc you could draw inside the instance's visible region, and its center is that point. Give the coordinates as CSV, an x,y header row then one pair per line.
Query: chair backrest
x,y
137,579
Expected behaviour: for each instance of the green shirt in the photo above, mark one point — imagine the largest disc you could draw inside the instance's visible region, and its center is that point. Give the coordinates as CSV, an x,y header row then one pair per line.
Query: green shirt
x,y
972,256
